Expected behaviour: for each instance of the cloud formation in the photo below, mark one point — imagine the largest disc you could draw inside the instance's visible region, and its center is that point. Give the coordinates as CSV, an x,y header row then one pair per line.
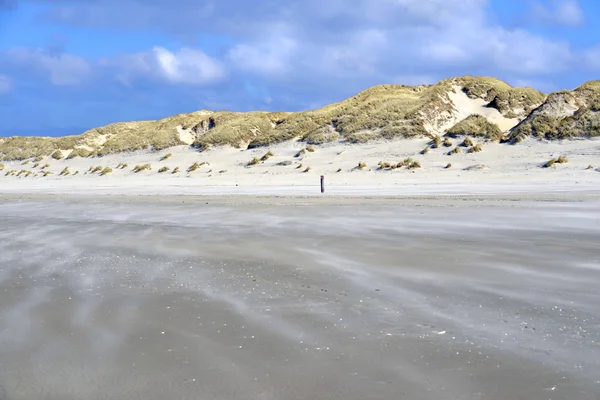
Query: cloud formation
x,y
293,54
559,12
62,69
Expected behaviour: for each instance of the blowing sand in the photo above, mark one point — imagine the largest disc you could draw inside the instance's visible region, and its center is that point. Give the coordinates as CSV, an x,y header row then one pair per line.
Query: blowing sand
x,y
224,298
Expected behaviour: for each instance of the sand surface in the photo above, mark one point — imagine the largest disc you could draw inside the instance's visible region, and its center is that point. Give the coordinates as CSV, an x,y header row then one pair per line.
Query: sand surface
x,y
246,298
499,168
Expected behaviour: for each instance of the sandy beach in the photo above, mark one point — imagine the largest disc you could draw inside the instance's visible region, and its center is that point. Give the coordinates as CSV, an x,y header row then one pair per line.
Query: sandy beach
x,y
499,168
298,297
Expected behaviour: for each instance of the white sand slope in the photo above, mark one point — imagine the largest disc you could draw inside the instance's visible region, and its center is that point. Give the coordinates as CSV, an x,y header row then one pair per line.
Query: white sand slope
x,y
506,167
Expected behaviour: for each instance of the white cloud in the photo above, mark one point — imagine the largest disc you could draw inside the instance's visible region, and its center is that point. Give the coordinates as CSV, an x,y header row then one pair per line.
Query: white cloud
x,y
5,84
185,66
267,55
559,12
591,59
62,69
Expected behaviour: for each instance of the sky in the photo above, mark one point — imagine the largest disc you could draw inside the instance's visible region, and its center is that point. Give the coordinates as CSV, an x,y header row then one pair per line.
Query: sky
x,y
70,65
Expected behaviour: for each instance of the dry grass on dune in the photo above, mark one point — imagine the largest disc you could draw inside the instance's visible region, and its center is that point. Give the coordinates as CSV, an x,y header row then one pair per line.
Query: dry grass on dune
x,y
268,155
193,167
477,126
1,166
456,150
79,152
45,166
166,157
58,155
467,142
476,149
449,165
447,142
308,169
65,172
425,150
176,170
96,169
560,160
106,171
142,167
163,169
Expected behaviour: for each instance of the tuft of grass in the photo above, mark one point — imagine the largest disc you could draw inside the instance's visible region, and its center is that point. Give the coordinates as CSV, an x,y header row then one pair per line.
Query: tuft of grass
x,y
588,167
300,153
97,169
447,142
76,173
28,173
122,166
25,162
362,165
141,167
65,172
21,172
310,149
106,171
299,166
163,169
549,163
476,125
467,142
268,155
436,142
425,150
45,166
46,173
384,165
79,153
58,155
37,164
254,161
176,170
339,170
193,167
562,160
414,164
448,166
476,149
307,169
166,157
1,166
38,159
456,150
405,163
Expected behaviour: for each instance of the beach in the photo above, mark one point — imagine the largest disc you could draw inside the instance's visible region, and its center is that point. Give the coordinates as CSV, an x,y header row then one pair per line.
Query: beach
x,y
489,296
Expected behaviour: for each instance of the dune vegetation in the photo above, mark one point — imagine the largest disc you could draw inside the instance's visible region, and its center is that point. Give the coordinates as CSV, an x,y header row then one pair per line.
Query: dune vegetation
x,y
380,112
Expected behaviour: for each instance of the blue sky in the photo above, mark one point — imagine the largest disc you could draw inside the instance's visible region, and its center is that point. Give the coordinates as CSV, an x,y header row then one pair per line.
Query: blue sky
x,y
70,65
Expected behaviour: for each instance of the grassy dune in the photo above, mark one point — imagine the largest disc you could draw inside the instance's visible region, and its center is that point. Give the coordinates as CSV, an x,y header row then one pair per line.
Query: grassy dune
x,y
380,112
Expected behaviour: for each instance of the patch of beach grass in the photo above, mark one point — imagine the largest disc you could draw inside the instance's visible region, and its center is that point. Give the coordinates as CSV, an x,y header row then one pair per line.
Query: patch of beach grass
x,y
163,169
166,157
142,167
476,149
106,171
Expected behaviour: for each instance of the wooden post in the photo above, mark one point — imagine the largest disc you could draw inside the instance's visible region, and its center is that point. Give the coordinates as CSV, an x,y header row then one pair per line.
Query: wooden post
x,y
322,183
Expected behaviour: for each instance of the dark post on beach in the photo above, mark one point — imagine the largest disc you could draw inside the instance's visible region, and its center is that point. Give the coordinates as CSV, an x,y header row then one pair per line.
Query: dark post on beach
x,y
322,183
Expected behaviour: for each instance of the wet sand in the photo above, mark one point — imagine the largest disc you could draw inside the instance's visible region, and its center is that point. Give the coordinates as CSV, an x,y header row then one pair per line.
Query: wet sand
x,y
208,298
